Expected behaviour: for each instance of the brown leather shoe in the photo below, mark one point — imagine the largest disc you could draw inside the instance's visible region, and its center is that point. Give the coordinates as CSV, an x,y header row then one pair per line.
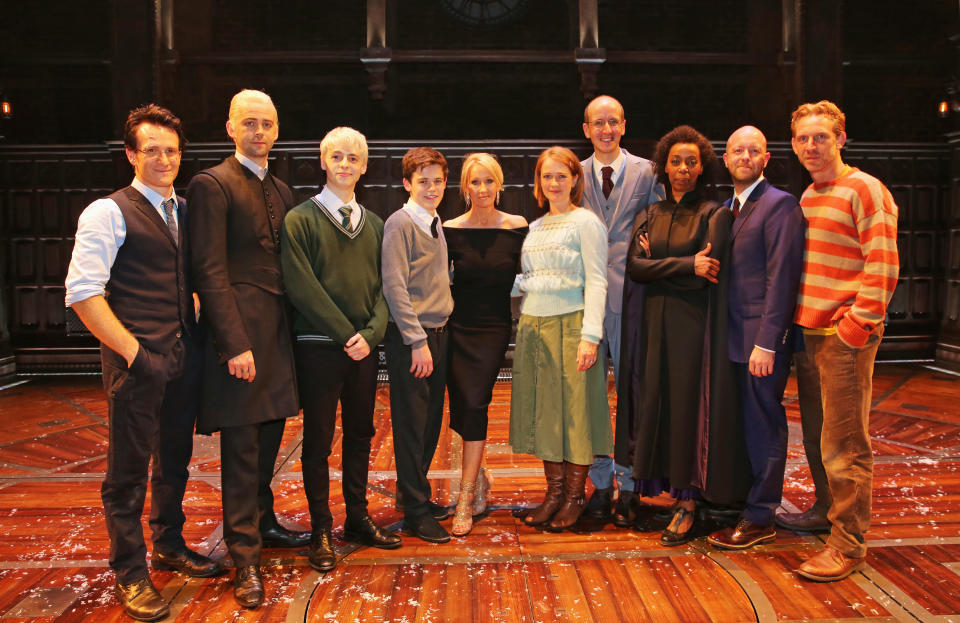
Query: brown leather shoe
x,y
745,534
553,470
810,520
248,587
829,565
141,600
186,561
574,497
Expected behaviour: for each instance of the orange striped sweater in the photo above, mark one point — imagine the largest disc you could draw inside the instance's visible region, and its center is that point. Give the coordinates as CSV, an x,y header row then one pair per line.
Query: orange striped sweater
x,y
850,261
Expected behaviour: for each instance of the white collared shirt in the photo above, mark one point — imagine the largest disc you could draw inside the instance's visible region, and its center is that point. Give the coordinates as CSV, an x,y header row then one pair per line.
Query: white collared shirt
x,y
256,169
101,231
746,193
331,203
617,165
420,215
156,199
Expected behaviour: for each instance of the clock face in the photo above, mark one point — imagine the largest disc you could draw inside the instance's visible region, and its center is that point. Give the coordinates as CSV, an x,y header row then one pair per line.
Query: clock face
x,y
484,12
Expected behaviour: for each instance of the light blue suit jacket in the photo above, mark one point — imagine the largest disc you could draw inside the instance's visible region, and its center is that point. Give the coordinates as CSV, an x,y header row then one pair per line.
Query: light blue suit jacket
x,y
640,189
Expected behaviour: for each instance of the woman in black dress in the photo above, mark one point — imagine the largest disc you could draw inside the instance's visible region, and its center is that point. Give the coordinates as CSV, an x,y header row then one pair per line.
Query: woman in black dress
x,y
484,249
684,410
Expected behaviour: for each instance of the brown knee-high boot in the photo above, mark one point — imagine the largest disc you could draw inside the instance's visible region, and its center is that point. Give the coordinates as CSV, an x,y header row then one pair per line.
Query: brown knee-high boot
x,y
574,499
553,470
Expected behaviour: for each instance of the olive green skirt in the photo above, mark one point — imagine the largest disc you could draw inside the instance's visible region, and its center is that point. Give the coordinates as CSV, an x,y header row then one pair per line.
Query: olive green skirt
x,y
557,413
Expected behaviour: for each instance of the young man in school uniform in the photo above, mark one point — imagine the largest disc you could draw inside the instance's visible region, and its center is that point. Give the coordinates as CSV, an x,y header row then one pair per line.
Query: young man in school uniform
x,y
330,253
416,285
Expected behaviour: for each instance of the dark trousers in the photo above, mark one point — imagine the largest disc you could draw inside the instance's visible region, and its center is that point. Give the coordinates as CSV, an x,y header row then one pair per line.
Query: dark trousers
x,y
416,412
248,455
149,418
811,422
326,375
765,429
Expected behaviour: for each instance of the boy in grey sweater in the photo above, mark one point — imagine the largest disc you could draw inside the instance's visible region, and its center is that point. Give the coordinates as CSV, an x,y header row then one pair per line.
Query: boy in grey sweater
x,y
416,286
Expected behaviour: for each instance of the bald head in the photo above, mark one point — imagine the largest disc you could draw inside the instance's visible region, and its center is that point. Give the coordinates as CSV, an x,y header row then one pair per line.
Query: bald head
x,y
602,101
604,124
748,132
746,157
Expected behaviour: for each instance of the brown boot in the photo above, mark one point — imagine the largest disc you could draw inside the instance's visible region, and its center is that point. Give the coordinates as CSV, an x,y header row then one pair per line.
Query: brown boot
x,y
574,498
553,470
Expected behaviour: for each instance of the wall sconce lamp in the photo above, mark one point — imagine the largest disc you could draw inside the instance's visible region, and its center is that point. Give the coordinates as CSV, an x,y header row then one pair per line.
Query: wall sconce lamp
x,y
947,106
6,108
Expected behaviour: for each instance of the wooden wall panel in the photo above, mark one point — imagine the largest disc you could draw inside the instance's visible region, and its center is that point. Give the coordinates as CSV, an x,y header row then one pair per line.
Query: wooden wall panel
x,y
47,188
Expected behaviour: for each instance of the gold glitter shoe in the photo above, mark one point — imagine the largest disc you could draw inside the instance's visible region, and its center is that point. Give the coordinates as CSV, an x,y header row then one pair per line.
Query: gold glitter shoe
x,y
463,519
482,491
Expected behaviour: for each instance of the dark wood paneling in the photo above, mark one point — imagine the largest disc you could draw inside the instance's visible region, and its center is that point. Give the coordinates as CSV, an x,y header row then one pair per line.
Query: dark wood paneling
x,y
47,188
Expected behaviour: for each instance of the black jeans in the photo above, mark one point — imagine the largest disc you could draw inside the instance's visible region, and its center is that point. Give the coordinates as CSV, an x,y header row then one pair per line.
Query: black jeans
x,y
416,412
326,375
152,414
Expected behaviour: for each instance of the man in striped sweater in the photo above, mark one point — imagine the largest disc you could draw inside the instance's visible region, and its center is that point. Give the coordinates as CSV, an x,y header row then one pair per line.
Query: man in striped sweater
x,y
850,269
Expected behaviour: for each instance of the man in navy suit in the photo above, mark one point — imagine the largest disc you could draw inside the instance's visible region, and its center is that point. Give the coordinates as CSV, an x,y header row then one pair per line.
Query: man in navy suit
x,y
618,187
766,257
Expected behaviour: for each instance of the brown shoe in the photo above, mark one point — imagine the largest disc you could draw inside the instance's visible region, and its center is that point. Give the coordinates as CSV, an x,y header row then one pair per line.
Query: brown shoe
x,y
810,520
829,565
141,601
745,534
574,497
553,470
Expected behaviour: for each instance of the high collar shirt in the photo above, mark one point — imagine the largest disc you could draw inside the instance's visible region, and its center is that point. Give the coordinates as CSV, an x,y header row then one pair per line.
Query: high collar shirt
x,y
256,169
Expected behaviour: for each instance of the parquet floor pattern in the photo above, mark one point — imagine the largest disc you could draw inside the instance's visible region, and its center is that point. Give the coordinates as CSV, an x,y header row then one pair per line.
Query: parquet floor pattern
x,y
53,543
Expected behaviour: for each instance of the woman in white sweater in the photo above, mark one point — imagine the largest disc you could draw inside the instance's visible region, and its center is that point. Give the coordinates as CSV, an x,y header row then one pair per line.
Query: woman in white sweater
x,y
559,410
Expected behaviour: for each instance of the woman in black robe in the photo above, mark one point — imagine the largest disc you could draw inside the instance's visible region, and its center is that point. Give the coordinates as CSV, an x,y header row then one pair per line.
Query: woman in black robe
x,y
684,434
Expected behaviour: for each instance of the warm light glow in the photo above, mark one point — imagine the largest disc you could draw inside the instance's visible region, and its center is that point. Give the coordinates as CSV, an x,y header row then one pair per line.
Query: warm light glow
x,y
942,110
6,108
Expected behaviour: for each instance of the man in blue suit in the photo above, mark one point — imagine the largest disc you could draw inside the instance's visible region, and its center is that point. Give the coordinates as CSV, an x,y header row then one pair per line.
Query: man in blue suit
x,y
766,257
618,186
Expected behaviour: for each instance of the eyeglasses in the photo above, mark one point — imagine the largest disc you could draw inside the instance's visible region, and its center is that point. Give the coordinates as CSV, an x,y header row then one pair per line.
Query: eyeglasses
x,y
154,153
599,123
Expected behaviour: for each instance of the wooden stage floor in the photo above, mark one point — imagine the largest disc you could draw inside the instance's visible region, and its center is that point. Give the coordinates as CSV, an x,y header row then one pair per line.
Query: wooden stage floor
x,y
53,543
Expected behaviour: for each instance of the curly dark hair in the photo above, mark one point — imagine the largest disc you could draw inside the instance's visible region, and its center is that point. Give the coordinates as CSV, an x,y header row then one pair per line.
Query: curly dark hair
x,y
685,134
150,113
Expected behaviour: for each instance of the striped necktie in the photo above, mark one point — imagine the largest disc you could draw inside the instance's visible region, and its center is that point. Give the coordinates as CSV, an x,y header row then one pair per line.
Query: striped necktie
x,y
168,207
346,211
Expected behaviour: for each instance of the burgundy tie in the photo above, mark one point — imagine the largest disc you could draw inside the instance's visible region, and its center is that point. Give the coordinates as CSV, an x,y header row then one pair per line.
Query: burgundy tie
x,y
607,173
736,207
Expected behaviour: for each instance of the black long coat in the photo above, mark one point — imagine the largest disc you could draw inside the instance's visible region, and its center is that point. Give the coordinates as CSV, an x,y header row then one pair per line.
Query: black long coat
x,y
234,233
679,394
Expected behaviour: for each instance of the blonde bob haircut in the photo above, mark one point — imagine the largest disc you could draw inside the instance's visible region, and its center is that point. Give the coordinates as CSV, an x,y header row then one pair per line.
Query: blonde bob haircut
x,y
347,139
479,159
568,159
824,108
